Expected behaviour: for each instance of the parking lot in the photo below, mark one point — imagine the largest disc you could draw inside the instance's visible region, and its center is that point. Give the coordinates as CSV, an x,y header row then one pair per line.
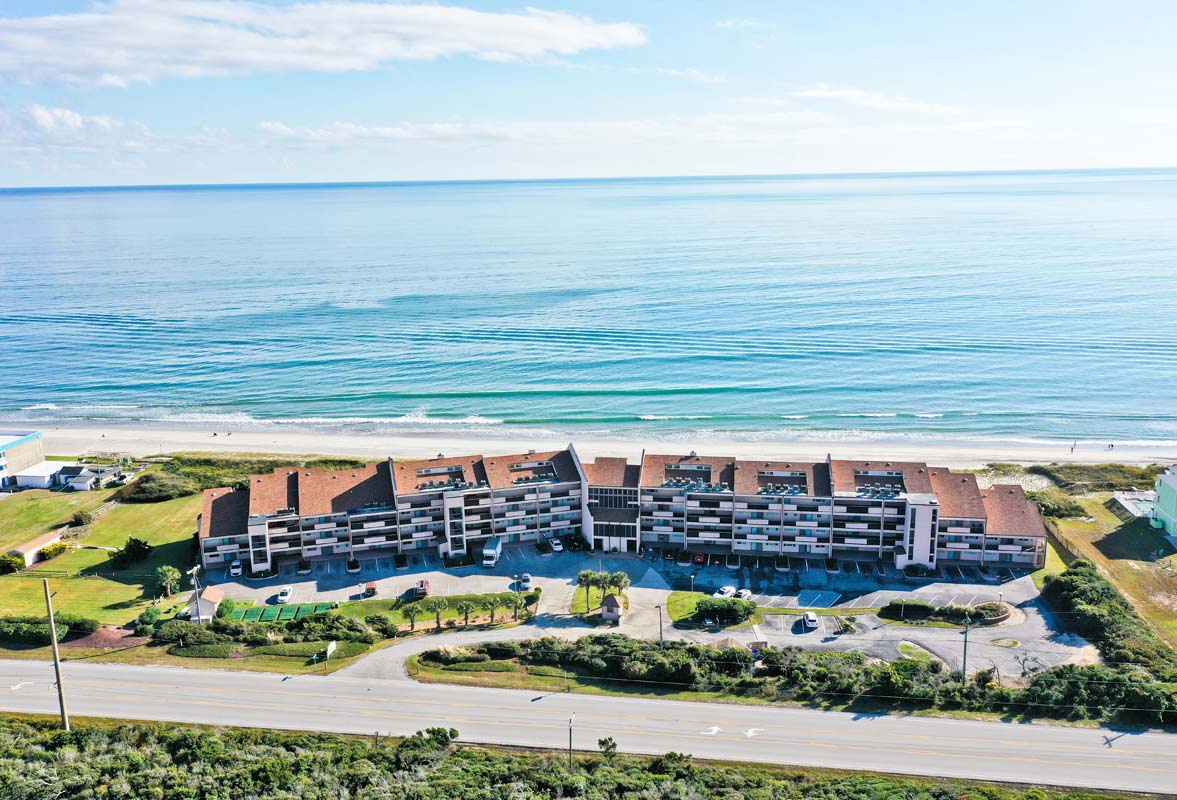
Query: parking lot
x,y
850,591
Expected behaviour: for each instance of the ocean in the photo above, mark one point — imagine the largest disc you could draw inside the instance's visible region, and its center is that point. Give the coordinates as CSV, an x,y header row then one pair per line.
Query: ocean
x,y
991,306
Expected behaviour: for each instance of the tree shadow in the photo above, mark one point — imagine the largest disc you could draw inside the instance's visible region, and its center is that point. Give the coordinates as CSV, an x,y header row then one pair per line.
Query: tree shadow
x,y
1133,541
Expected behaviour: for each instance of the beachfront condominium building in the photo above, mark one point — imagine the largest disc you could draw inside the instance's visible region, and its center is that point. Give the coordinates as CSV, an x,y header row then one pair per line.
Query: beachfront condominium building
x,y
18,451
898,513
450,505
613,504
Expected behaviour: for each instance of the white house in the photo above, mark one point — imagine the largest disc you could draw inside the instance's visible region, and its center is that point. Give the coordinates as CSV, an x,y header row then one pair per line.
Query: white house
x,y
42,475
203,607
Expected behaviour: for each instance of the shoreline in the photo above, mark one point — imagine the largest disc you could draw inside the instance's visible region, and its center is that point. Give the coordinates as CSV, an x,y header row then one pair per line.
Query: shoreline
x,y
960,454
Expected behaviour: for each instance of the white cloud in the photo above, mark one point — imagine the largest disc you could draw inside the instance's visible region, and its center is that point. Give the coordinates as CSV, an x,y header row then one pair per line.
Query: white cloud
x,y
65,120
132,41
871,99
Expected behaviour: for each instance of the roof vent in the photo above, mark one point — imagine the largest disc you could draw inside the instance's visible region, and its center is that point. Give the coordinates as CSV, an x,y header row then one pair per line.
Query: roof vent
x,y
694,454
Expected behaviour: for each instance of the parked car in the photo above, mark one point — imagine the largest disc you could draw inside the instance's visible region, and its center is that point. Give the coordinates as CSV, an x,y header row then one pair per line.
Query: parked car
x,y
832,566
668,555
400,561
235,569
369,589
733,561
725,591
421,589
284,594
543,547
557,545
684,558
809,620
701,559
781,564
525,581
743,594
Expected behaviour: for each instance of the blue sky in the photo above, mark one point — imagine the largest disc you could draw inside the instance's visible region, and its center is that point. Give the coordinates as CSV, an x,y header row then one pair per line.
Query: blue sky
x,y
193,91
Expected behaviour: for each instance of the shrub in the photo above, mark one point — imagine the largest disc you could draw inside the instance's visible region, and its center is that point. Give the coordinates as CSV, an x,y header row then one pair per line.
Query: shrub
x,y
217,650
11,564
76,623
53,550
29,630
149,616
907,609
177,630
81,517
725,608
502,649
156,487
455,655
1053,503
134,550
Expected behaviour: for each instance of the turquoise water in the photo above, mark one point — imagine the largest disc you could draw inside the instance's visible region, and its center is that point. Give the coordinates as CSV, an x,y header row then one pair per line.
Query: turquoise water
x,y
981,306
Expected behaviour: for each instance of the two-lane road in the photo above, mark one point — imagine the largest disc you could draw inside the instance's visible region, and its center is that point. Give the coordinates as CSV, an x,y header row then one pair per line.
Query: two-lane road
x,y
924,746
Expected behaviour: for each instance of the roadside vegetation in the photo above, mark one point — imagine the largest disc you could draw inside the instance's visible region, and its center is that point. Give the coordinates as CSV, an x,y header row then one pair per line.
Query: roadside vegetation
x,y
618,664
188,473
459,610
176,762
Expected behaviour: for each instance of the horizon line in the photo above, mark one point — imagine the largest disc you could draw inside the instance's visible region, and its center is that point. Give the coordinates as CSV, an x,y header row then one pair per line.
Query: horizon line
x,y
613,178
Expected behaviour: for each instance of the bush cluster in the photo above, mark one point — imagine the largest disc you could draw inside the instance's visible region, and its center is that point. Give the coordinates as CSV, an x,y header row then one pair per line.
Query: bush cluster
x,y
833,678
169,762
919,610
53,550
156,487
726,609
10,563
1095,609
1053,503
35,630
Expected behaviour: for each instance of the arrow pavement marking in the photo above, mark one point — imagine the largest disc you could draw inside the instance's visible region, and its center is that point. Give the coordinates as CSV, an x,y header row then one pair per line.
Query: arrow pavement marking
x,y
20,685
752,732
714,729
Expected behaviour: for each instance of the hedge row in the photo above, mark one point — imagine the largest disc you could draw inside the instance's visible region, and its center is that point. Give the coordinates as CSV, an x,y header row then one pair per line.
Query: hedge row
x,y
35,630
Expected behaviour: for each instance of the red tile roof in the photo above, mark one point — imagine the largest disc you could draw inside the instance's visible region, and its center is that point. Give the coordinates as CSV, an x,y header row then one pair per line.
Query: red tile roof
x,y
659,469
748,478
226,513
322,492
501,475
270,492
958,494
1011,513
914,475
409,482
615,472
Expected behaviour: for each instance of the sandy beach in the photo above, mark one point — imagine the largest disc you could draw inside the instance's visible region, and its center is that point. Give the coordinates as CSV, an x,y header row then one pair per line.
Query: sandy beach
x,y
73,440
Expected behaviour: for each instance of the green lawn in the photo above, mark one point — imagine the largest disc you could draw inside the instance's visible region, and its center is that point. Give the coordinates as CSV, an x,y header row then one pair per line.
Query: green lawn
x,y
112,596
395,608
1125,550
28,514
1054,566
595,596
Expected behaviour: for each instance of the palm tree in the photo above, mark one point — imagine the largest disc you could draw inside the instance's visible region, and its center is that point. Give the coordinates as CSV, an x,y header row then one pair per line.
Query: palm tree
x,y
587,579
436,605
518,603
620,580
492,603
412,611
465,608
169,578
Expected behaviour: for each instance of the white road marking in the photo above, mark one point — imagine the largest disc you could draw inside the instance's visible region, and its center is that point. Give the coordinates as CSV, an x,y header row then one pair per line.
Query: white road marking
x,y
714,729
752,732
20,685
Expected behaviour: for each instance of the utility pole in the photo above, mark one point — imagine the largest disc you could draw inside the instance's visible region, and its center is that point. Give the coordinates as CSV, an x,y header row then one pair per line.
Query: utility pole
x,y
56,655
964,669
195,573
570,721
661,641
